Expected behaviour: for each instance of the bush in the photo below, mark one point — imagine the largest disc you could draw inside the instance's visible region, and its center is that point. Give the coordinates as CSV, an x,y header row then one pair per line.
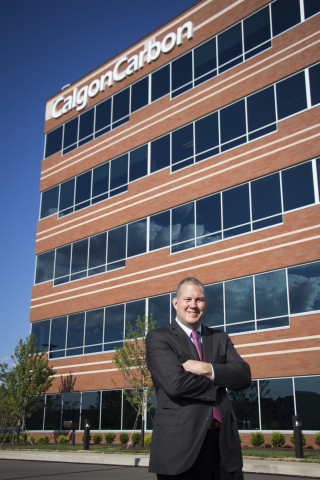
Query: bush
x,y
136,437
240,439
26,438
304,441
124,437
317,439
110,437
42,440
5,437
90,438
63,439
267,445
147,440
97,438
277,439
256,439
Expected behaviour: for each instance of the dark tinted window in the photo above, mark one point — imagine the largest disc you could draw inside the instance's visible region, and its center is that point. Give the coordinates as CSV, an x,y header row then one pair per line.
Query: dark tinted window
x,y
257,32
111,410
94,327
245,406
314,75
207,133
119,171
100,182
261,109
120,104
53,412
53,142
139,94
49,202
75,331
304,288
90,409
297,186
71,407
114,323
129,416
182,143
45,264
214,314
159,310
291,95
183,223
35,422
133,310
233,121
83,187
58,333
103,115
62,267
271,294
67,196
86,124
276,400
41,331
117,244
318,173
160,83
208,215
308,401
97,252
236,208
138,163
311,7
70,136
285,14
137,237
266,197
160,153
239,300
160,230
230,47
182,72
205,60
79,259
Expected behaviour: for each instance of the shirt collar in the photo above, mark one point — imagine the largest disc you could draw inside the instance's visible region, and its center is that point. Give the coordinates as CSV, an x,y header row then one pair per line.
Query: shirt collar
x,y
187,329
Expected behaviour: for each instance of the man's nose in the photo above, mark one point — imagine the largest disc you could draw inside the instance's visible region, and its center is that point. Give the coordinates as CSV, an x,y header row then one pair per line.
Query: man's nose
x,y
193,304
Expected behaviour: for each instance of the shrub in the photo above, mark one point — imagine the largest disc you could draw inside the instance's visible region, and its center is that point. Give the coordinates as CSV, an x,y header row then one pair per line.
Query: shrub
x,y
317,439
267,445
97,438
256,439
136,437
304,441
26,438
63,439
42,440
5,437
90,438
124,437
240,439
110,437
147,440
277,439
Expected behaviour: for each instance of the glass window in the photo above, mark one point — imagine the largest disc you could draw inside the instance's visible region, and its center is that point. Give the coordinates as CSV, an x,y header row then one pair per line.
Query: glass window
x,y
44,269
160,83
245,406
111,410
308,401
230,47
183,225
41,331
121,105
49,202
86,125
103,117
240,328
97,253
119,174
311,7
53,412
181,71
160,153
214,314
273,323
276,400
90,409
182,143
205,61
117,244
66,197
100,182
304,288
318,173
159,230
75,334
94,330
58,334
297,186
139,94
62,267
291,95
70,136
208,215
138,163
159,310
271,294
207,136
133,310
83,189
71,407
285,14
79,263
266,197
152,402
53,141
314,75
114,323
137,237
257,32
261,111
233,123
236,208
35,422
129,416
239,300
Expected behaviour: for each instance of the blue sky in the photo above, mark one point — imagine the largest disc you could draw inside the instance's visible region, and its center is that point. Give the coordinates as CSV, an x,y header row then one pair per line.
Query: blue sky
x,y
46,44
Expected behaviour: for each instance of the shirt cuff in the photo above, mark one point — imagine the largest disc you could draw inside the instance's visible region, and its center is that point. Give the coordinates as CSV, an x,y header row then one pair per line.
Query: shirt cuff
x,y
212,376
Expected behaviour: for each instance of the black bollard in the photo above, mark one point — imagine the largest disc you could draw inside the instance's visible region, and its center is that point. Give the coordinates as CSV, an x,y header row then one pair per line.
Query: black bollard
x,y
142,433
297,432
86,440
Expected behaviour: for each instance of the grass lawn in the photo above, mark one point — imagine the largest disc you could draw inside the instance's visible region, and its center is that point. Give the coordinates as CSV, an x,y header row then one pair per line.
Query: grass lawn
x,y
270,453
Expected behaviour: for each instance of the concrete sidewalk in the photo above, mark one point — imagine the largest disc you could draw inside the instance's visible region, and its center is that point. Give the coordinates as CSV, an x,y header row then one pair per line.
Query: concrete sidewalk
x,y
249,466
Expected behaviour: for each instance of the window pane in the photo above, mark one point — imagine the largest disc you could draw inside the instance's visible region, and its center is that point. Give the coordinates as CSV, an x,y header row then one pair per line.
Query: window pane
x,y
208,215
114,323
35,422
291,95
205,58
160,82
62,261
70,132
239,300
83,187
139,163
236,208
117,244
41,331
304,288
256,29
94,327
67,195
44,269
86,123
183,223
97,250
297,186
120,104
119,171
58,333
207,132
277,408
261,109
129,416
271,294
311,7
137,237
133,309
53,412
53,142
152,402
90,409
266,197
111,410
71,407
160,153
103,114
79,257
314,75
181,71
230,45
285,14
139,94
75,330
245,406
233,121
49,202
308,401
160,230
182,143
100,183
159,309
214,314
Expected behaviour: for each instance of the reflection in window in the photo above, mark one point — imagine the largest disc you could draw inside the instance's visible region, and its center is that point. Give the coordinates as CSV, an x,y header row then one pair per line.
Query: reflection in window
x,y
129,415
214,316
230,47
71,407
183,226
45,267
160,230
304,288
41,331
257,32
297,185
133,310
137,237
75,334
159,310
111,410
114,324
94,331
271,294
90,409
239,300
49,202
277,406
53,411
58,336
245,404
308,401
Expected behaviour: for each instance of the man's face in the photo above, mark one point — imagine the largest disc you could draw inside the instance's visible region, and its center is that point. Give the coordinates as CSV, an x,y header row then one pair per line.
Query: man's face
x,y
190,305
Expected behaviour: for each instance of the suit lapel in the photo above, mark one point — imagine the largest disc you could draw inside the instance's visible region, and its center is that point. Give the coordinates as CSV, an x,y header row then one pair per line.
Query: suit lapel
x,y
187,342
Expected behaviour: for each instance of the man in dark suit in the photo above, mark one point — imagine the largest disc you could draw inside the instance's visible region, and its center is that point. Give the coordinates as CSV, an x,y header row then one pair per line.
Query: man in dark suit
x,y
195,428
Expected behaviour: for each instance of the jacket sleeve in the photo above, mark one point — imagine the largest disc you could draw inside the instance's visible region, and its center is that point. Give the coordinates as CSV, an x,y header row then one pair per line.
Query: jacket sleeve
x,y
168,373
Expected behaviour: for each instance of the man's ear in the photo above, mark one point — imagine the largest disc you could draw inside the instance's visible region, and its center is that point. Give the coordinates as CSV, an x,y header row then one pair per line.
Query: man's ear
x,y
174,302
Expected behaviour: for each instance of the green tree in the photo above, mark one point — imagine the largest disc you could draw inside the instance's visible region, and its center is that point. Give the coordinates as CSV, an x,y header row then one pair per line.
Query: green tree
x,y
130,360
23,385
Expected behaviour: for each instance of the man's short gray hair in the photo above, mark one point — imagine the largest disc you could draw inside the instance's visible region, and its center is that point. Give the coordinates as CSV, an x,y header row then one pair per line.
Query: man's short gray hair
x,y
193,281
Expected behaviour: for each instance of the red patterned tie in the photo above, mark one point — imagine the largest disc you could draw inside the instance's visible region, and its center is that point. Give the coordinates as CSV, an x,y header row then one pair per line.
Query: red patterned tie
x,y
198,345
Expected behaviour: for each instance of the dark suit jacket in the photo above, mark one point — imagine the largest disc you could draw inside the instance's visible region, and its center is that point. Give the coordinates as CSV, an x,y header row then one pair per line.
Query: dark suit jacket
x,y
185,400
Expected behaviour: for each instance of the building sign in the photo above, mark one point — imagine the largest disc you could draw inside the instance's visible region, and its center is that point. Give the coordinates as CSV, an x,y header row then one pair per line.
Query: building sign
x,y
123,68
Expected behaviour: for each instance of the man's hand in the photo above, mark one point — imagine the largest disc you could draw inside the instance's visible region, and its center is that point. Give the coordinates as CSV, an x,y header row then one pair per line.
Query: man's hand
x,y
199,368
